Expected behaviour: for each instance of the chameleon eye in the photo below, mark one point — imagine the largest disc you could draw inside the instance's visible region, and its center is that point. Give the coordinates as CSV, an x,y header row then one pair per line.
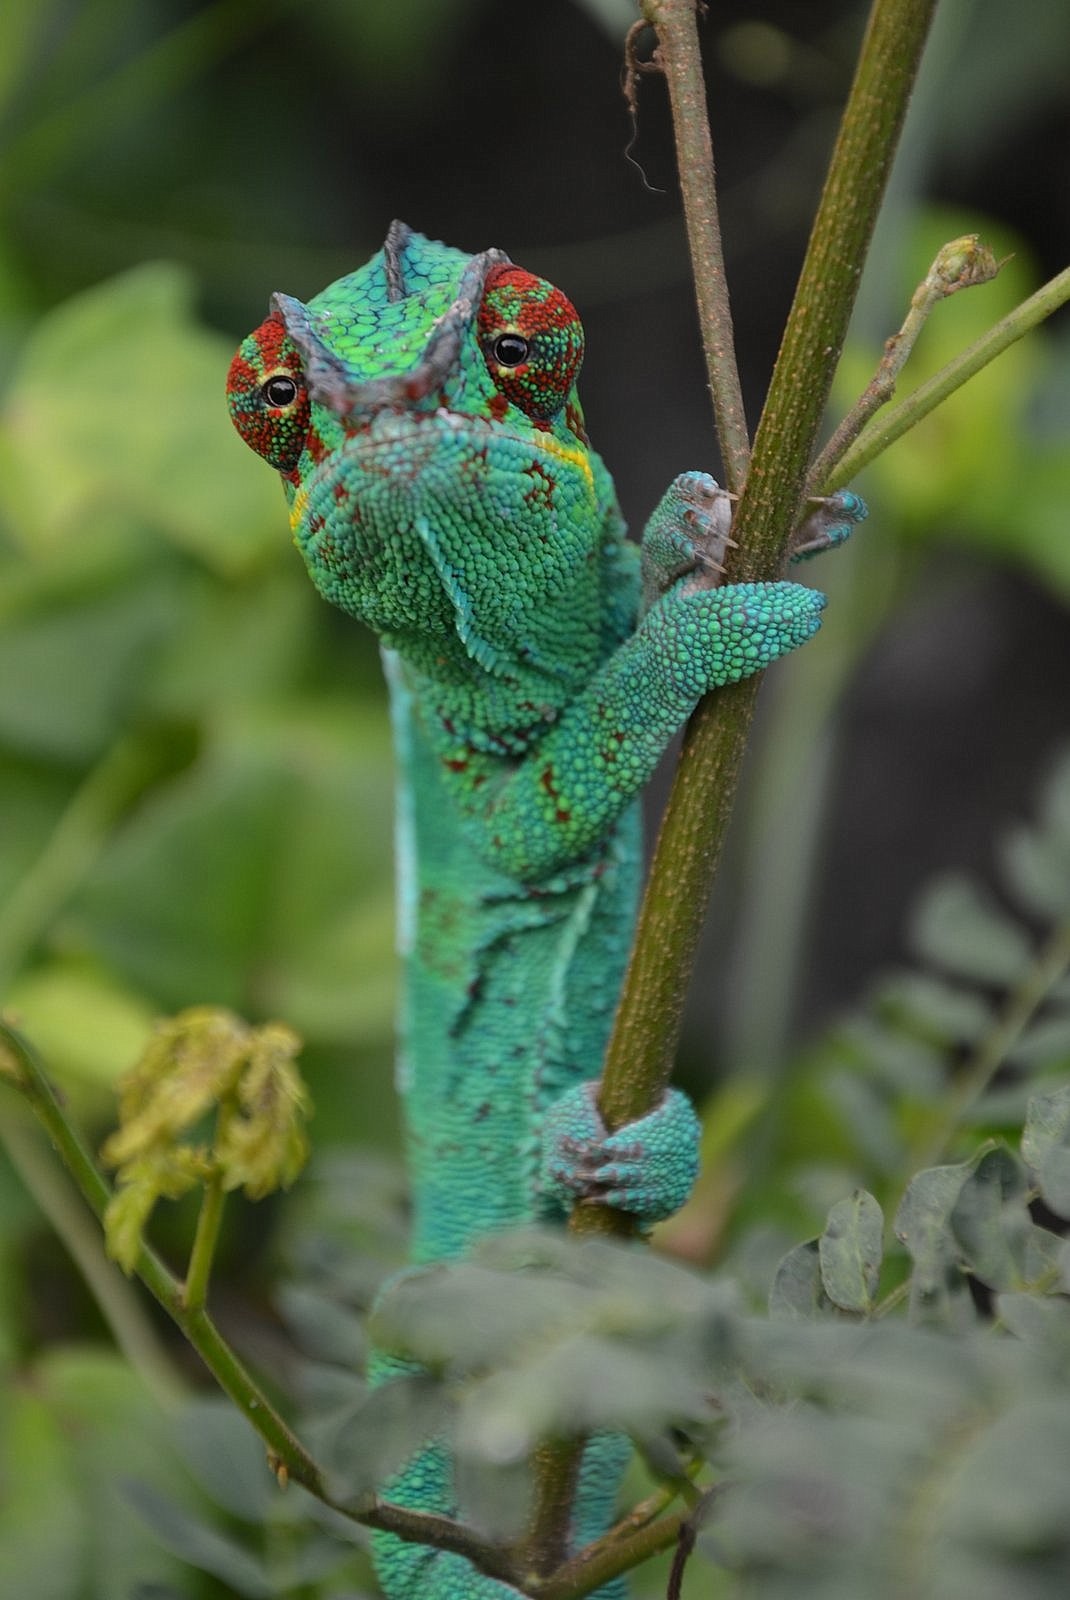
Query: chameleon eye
x,y
532,340
267,396
279,391
510,350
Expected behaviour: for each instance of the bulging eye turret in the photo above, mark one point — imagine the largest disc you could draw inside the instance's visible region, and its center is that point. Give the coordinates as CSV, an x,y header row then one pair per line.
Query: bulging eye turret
x,y
532,340
267,396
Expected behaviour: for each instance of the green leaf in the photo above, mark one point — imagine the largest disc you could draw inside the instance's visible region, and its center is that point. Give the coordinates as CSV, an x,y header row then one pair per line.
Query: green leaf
x,y
850,1251
322,1326
936,1010
1009,1492
268,858
470,1316
923,1224
202,1546
1036,866
1042,1321
581,1385
365,1445
798,1289
901,1064
958,927
226,1457
75,1424
44,1520
1045,1045
50,704
1046,1146
867,1117
86,1025
108,409
991,1221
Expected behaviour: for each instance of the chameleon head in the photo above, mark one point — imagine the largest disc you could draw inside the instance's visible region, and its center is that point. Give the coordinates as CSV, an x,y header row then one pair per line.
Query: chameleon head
x,y
423,415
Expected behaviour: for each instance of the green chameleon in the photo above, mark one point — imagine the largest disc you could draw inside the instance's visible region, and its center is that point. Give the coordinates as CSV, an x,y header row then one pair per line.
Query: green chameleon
x,y
422,413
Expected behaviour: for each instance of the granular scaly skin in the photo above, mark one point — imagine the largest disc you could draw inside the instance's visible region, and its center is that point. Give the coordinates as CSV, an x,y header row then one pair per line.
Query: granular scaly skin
x,y
423,415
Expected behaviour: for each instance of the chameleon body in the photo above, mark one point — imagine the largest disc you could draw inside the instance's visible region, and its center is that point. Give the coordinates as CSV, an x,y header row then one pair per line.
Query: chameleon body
x,y
423,415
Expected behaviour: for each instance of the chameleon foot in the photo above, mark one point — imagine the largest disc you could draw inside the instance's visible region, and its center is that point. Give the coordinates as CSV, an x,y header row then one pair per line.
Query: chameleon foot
x,y
647,1168
830,524
687,533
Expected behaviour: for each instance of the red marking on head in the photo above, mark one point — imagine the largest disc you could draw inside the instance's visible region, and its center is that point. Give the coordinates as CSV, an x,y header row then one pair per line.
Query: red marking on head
x,y
574,423
278,432
517,305
315,445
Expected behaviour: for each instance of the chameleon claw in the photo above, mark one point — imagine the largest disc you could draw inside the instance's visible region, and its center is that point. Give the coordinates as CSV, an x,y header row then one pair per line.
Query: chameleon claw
x,y
830,524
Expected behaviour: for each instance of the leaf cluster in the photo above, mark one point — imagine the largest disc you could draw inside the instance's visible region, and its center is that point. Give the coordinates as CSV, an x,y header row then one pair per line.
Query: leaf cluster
x,y
204,1061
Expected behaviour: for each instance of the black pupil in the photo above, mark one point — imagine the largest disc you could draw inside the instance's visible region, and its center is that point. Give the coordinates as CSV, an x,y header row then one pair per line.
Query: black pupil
x,y
280,391
510,350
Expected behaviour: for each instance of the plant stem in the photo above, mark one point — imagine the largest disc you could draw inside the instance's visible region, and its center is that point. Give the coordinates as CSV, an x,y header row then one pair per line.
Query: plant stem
x,y
680,61
624,1547
927,396
21,1068
161,1284
555,1470
71,849
209,1219
118,1303
641,1051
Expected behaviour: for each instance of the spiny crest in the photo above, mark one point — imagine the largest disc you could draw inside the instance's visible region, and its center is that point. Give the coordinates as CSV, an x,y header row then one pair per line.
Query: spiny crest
x,y
532,340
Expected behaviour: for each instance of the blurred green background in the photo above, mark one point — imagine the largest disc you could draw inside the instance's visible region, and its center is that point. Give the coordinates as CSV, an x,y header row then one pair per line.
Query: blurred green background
x,y
195,790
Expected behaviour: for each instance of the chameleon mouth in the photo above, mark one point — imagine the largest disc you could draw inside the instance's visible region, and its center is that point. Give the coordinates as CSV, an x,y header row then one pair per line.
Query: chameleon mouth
x,y
330,378
388,432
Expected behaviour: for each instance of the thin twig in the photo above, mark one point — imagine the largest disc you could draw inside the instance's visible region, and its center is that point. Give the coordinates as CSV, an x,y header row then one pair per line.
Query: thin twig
x,y
962,264
21,1069
680,61
611,1555
935,390
119,1303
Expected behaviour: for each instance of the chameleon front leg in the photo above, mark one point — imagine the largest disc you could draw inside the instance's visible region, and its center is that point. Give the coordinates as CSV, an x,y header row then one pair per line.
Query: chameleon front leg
x,y
649,1167
533,816
689,532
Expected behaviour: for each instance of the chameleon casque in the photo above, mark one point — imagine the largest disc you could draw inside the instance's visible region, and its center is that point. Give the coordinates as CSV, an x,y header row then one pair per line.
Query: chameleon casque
x,y
422,413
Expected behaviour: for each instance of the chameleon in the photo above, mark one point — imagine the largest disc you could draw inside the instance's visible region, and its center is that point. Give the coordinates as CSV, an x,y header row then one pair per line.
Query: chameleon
x,y
423,416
